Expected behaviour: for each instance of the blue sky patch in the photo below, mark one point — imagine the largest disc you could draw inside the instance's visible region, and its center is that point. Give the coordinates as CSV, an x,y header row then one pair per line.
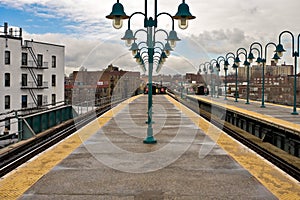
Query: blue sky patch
x,y
32,23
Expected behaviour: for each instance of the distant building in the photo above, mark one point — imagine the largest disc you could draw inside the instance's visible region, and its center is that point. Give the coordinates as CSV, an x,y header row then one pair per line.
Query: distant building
x,y
32,74
195,78
278,84
270,70
92,86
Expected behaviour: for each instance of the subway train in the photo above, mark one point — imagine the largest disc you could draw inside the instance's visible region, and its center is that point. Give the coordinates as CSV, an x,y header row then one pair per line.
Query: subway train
x,y
156,89
202,90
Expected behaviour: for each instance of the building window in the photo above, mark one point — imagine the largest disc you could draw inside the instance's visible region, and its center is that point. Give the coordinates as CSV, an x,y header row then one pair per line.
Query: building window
x,y
40,80
39,100
45,99
24,59
7,102
24,101
53,99
40,60
53,80
24,79
7,124
53,61
7,80
7,58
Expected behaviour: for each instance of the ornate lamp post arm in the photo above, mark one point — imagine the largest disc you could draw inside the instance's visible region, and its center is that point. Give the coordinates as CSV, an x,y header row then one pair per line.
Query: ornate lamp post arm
x,y
280,45
260,48
165,13
166,47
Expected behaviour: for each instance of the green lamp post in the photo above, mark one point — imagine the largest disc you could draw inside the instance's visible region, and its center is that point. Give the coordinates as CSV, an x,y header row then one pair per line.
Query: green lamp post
x,y
211,70
247,64
235,67
237,63
295,54
183,15
218,76
205,70
213,80
199,70
262,62
250,59
226,64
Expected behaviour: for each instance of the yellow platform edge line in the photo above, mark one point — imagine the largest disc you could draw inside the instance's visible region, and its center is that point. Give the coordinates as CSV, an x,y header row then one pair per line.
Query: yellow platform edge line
x,y
259,102
267,118
16,183
276,181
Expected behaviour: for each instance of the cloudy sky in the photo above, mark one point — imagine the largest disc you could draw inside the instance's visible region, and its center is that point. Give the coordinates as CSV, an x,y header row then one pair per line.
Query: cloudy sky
x,y
90,40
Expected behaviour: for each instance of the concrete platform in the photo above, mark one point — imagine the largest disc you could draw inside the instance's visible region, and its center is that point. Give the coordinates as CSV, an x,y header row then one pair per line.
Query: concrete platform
x,y
115,164
271,110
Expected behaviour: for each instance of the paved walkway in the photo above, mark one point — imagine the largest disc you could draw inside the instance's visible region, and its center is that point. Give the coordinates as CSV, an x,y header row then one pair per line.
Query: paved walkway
x,y
278,115
275,110
115,164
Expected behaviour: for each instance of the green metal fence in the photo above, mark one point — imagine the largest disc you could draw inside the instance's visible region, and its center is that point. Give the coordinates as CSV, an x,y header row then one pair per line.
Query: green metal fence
x,y
34,124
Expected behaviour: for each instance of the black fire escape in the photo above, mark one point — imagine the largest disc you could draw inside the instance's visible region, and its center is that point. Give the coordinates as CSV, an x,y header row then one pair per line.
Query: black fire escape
x,y
33,66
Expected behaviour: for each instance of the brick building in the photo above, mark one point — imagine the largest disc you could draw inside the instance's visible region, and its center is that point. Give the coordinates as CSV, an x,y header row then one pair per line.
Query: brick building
x,y
92,86
270,70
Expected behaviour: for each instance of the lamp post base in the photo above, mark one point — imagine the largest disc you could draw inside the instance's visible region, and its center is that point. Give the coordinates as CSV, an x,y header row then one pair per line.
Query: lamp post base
x,y
295,113
150,140
247,103
262,106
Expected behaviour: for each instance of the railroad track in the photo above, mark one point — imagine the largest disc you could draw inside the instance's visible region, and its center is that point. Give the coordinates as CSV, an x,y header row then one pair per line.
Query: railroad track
x,y
235,132
17,156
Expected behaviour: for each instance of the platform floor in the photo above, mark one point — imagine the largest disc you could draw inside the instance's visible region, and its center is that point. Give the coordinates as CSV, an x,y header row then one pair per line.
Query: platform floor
x,y
191,160
273,113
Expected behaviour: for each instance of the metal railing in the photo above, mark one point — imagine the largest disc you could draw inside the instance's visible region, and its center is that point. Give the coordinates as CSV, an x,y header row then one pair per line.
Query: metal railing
x,y
31,64
87,106
32,84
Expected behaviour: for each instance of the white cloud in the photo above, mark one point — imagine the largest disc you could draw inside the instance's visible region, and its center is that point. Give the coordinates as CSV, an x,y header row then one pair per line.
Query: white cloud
x,y
94,55
221,26
253,16
220,41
